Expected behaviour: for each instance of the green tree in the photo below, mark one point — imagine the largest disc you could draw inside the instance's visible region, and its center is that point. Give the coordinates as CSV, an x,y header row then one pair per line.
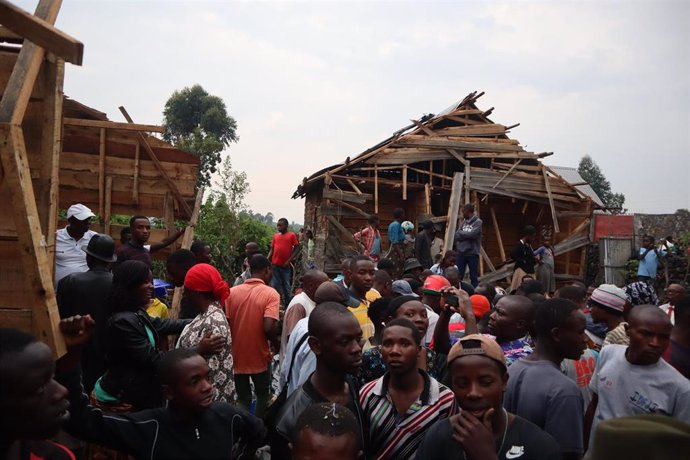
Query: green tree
x,y
592,174
198,122
227,225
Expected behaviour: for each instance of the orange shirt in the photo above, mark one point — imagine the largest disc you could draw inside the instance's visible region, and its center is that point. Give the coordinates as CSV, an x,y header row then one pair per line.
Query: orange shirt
x,y
248,305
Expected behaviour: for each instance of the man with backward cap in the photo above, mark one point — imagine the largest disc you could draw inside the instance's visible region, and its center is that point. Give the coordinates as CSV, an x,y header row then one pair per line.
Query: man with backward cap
x,y
483,430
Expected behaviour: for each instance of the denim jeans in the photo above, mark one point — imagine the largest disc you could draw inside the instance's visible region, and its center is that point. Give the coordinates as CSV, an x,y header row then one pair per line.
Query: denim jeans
x,y
463,262
262,386
281,282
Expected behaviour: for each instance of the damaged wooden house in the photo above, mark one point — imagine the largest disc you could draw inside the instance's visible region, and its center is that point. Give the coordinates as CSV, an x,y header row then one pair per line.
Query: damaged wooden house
x,y
56,152
433,166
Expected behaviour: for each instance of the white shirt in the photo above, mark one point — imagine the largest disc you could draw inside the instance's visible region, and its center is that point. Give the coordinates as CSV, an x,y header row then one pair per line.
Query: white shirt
x,y
433,319
302,299
305,360
69,256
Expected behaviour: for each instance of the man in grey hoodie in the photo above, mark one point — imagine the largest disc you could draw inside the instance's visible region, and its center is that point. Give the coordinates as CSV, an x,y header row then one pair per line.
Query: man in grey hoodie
x,y
467,242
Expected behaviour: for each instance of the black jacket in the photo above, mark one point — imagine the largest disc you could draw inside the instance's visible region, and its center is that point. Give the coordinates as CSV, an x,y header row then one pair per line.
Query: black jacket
x,y
303,397
523,255
88,293
160,433
131,359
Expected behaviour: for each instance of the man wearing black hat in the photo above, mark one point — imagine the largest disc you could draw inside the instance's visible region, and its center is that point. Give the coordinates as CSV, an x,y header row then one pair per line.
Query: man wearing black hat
x,y
88,293
422,244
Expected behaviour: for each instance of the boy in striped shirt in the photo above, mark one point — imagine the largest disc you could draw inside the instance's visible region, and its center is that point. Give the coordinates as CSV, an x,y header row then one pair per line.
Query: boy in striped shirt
x,y
406,401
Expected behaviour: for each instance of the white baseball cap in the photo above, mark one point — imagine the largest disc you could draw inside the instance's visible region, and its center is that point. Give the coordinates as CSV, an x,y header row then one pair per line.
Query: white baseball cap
x,y
79,212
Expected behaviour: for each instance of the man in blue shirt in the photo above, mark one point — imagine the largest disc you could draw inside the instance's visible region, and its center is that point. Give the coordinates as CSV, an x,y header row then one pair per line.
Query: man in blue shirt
x,y
649,258
396,236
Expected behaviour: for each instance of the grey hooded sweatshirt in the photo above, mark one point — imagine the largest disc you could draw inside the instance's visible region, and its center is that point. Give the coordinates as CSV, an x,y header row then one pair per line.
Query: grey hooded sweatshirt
x,y
468,238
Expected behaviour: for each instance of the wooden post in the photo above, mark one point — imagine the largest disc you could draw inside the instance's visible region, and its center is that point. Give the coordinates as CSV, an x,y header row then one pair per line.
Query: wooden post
x,y
169,213
427,198
135,183
376,188
404,182
443,166
501,248
51,146
467,184
551,203
453,208
40,294
108,203
101,175
187,240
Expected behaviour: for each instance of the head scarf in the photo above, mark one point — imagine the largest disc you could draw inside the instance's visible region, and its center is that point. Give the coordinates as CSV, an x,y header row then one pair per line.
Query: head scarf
x,y
205,278
641,293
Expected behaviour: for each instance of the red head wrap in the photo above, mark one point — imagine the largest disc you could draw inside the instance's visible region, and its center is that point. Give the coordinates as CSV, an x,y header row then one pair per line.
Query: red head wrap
x,y
205,278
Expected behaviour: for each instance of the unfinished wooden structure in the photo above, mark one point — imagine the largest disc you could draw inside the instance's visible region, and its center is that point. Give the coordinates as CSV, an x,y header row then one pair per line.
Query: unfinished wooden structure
x,y
433,166
56,152
118,168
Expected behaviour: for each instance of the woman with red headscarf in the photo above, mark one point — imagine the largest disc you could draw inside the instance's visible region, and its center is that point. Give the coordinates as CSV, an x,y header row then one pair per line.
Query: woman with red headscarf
x,y
206,291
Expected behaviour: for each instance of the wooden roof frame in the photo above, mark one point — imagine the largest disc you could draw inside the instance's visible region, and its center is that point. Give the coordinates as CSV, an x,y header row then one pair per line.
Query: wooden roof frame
x,y
41,38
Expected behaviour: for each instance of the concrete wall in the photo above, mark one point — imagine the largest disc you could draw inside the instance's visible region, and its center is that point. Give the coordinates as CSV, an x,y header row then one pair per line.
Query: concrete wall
x,y
661,225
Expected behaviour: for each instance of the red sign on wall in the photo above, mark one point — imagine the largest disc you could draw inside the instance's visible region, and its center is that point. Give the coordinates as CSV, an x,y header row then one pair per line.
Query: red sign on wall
x,y
613,226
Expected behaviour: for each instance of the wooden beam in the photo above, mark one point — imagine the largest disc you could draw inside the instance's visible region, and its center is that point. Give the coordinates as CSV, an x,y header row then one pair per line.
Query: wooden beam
x,y
376,188
15,97
53,74
187,240
112,125
101,174
343,231
342,195
507,173
135,178
427,199
157,163
349,206
404,183
467,183
169,213
453,209
551,204
354,187
108,203
486,259
497,229
426,141
34,257
42,32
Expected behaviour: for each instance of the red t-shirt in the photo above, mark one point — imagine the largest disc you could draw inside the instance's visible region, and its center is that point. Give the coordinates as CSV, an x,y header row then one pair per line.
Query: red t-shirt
x,y
282,247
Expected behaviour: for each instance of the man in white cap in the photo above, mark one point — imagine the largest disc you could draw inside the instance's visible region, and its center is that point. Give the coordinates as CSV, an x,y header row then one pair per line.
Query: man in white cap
x,y
71,240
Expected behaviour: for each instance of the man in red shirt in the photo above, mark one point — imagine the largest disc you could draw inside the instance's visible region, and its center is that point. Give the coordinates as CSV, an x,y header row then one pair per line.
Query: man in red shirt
x,y
284,249
253,310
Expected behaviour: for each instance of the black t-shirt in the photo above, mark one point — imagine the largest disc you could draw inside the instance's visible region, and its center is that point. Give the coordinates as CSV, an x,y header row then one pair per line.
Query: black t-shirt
x,y
524,441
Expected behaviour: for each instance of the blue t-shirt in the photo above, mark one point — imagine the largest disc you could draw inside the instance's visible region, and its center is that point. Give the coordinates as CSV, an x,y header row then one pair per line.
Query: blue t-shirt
x,y
395,232
650,263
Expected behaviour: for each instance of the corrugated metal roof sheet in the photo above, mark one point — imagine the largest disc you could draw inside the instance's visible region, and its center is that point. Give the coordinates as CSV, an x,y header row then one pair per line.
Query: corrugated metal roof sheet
x,y
573,177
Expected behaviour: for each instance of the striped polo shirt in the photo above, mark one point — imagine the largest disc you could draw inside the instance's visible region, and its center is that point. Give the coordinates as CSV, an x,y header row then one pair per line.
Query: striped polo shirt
x,y
397,436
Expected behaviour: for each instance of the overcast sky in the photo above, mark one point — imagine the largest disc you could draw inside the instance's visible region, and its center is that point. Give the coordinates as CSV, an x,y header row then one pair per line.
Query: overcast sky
x,y
311,83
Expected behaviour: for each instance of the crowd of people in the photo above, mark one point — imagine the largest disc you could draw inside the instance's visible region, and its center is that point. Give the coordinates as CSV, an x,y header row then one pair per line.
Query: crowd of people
x,y
397,357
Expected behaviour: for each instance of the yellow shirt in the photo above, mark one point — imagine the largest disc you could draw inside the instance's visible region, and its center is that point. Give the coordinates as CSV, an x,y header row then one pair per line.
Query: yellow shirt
x,y
372,295
158,309
363,319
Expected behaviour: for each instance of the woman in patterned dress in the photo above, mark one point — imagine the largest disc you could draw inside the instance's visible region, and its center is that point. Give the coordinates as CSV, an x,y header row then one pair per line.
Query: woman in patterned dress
x,y
206,292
